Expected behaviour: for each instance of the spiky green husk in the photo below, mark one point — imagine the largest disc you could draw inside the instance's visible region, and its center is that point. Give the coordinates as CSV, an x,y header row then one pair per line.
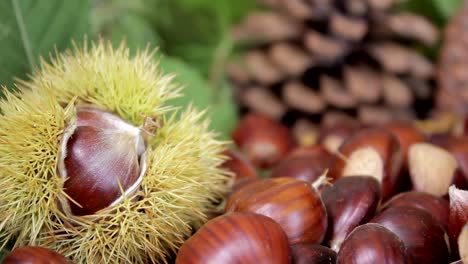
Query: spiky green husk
x,y
181,184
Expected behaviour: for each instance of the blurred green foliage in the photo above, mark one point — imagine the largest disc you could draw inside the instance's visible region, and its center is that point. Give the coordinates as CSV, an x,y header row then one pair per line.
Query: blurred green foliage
x,y
31,28
193,36
438,11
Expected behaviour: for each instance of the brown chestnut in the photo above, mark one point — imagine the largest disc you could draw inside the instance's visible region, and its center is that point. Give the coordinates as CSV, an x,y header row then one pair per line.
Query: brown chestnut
x,y
436,206
315,150
264,140
239,165
371,244
351,201
34,255
332,136
372,152
310,253
422,234
102,158
294,204
407,134
458,146
432,168
305,163
237,238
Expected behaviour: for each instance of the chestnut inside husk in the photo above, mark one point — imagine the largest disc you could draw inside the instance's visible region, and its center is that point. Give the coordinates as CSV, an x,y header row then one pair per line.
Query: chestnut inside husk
x,y
102,159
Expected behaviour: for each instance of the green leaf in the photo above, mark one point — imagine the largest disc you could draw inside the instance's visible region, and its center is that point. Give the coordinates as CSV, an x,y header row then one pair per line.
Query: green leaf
x,y
118,20
224,113
438,11
447,7
194,29
31,28
220,106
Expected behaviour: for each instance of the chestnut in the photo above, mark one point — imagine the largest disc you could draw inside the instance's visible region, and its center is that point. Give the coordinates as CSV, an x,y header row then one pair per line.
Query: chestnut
x,y
102,157
34,255
310,253
314,150
304,163
432,168
264,140
422,234
407,134
436,206
458,216
351,201
237,237
371,244
458,146
294,204
332,136
372,152
239,165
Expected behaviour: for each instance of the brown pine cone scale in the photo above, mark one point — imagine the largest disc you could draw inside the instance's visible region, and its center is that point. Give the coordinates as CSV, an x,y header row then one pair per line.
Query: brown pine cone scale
x,y
307,59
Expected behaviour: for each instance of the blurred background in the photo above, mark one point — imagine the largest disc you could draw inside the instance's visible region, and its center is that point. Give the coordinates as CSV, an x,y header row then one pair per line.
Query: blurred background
x,y
222,51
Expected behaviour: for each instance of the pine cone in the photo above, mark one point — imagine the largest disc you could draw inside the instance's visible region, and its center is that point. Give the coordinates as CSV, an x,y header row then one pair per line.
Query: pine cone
x,y
452,76
324,61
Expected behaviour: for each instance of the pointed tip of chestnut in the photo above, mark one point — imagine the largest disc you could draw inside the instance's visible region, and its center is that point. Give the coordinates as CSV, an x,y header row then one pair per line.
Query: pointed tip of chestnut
x,y
370,244
350,201
264,140
34,255
237,238
432,169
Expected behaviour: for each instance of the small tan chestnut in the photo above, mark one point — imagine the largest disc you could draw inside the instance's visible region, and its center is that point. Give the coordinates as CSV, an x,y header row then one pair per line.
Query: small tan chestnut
x,y
432,168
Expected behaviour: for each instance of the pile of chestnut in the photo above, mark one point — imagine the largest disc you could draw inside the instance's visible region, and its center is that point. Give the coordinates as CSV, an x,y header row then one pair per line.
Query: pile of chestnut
x,y
363,195
386,194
